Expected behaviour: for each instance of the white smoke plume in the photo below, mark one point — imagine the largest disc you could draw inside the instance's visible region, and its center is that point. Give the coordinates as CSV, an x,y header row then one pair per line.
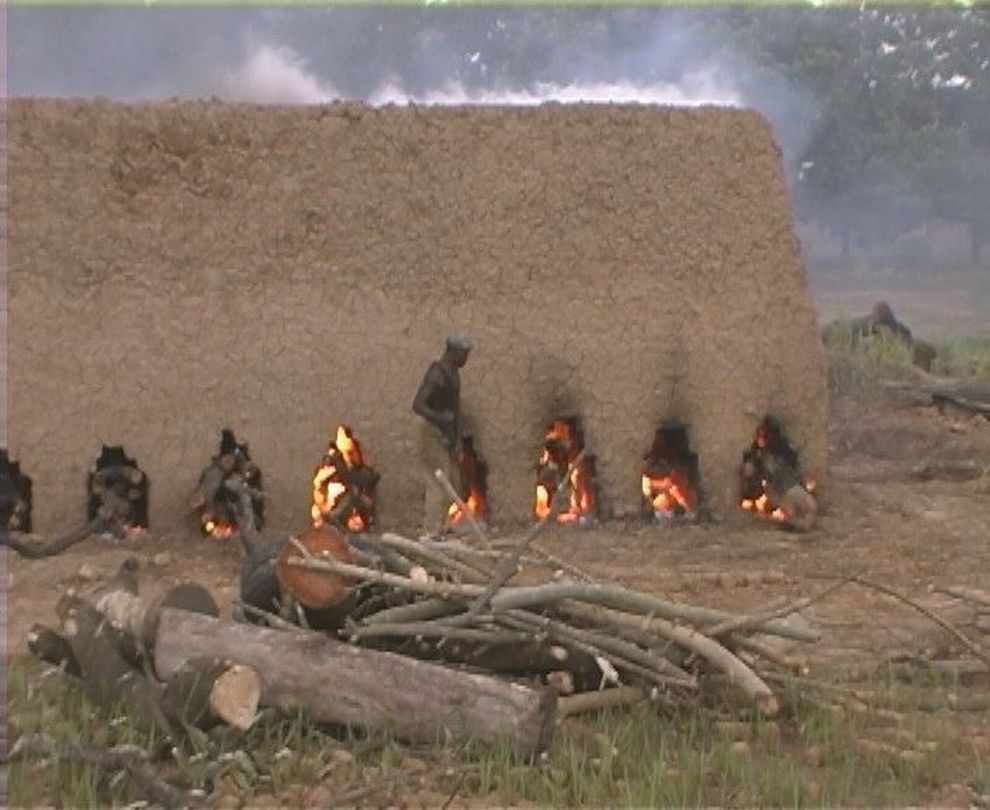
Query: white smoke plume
x,y
272,75
697,89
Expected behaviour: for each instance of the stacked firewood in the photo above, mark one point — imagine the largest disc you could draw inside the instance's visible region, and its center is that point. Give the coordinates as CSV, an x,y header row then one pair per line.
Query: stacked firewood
x,y
452,602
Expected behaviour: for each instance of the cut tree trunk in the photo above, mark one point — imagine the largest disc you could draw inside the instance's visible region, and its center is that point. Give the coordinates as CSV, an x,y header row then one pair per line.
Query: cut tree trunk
x,y
108,676
133,620
339,683
53,648
207,691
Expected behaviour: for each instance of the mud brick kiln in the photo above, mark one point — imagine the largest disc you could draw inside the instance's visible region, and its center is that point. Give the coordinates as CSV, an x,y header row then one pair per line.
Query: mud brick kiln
x,y
174,268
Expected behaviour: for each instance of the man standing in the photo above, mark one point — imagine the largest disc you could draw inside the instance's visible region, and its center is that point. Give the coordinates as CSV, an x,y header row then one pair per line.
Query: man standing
x,y
438,401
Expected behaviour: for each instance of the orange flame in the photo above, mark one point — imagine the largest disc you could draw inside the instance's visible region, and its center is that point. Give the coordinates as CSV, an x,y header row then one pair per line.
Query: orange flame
x,y
343,453
560,450
216,529
473,476
767,440
667,494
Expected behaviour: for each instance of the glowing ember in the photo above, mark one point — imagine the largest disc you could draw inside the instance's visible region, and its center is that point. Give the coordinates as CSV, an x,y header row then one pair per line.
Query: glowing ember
x,y
344,486
670,472
230,484
117,488
474,484
560,450
769,473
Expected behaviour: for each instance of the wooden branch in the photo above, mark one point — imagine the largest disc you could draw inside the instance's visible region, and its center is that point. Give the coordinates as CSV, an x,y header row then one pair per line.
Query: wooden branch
x,y
781,609
424,610
619,598
663,671
952,629
596,701
37,551
123,757
471,572
718,656
465,510
109,677
340,683
436,630
53,648
509,567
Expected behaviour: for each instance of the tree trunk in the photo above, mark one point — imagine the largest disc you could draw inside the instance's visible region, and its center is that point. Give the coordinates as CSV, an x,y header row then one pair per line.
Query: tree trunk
x,y
205,691
339,683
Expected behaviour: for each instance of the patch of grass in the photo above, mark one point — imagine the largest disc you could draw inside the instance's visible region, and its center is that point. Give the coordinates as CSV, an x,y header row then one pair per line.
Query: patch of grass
x,y
855,364
813,755
965,357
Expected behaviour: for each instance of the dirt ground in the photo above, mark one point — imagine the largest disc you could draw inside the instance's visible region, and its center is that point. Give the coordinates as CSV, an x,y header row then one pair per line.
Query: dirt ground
x,y
882,518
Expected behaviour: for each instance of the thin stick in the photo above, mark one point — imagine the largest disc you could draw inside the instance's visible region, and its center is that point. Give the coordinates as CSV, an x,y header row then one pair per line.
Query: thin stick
x,y
666,672
122,757
465,510
776,611
619,598
510,565
436,630
269,618
739,673
444,589
470,571
951,628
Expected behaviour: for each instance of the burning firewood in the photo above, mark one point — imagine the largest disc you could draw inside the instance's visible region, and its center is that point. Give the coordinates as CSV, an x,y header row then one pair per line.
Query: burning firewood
x,y
117,488
670,477
771,485
229,498
471,503
344,486
15,496
563,444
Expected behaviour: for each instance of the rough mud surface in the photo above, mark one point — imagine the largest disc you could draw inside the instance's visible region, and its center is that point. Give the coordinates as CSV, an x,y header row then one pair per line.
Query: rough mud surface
x,y
179,267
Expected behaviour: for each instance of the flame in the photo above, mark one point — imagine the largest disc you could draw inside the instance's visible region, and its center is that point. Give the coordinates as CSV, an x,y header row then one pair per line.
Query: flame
x,y
559,451
473,477
216,529
669,495
343,453
767,440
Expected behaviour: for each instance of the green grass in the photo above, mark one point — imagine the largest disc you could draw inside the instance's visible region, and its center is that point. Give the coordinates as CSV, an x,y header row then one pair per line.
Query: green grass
x,y
965,357
855,366
622,758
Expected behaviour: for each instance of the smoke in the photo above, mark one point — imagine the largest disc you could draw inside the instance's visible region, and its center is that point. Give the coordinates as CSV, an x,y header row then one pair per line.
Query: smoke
x,y
271,74
700,90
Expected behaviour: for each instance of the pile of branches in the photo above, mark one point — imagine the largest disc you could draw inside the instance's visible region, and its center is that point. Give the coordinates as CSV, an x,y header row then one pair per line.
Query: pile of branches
x,y
455,603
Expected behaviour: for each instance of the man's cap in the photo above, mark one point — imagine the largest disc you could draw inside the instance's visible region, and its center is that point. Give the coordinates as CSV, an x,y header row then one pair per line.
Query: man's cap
x,y
461,343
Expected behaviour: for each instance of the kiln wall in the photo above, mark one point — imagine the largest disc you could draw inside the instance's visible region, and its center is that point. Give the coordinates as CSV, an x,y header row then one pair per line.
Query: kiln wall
x,y
179,267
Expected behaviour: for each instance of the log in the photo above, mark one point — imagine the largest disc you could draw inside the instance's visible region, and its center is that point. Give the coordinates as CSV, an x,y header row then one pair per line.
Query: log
x,y
108,676
339,683
206,691
53,648
596,701
36,551
132,619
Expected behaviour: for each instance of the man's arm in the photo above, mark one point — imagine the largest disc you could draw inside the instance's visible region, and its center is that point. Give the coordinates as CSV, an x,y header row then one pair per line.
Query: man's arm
x,y
445,420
